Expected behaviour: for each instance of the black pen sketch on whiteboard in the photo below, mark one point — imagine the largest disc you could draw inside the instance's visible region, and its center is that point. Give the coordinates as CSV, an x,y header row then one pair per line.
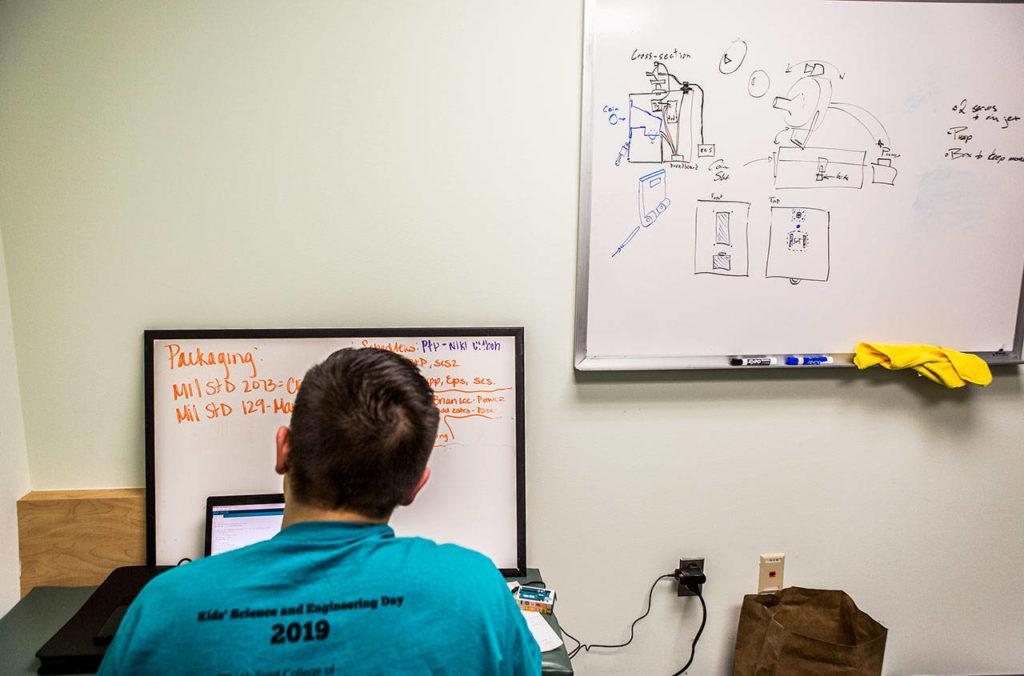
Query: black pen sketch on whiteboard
x,y
807,105
666,127
797,167
666,124
798,244
758,84
733,57
721,238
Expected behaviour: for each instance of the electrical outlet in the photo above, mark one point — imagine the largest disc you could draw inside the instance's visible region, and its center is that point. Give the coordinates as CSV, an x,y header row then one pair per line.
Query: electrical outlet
x,y
689,568
770,577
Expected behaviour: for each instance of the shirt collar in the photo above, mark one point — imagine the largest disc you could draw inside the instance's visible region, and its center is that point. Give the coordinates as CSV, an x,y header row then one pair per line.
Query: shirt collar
x,y
334,531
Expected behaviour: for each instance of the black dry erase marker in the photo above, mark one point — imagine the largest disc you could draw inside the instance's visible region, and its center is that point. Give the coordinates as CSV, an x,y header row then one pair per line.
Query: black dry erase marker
x,y
752,361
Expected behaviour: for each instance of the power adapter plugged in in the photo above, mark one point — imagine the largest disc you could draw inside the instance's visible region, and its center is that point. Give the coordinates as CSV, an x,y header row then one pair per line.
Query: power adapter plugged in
x,y
690,577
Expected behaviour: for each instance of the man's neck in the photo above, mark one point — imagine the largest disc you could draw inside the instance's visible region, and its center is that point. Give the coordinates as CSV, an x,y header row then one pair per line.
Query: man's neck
x,y
297,512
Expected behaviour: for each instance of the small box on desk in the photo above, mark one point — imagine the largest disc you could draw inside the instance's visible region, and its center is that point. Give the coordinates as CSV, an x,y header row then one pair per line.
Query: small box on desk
x,y
536,599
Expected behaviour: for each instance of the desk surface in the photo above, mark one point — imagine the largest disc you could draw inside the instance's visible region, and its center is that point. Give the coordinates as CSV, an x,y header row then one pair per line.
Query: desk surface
x,y
44,610
33,620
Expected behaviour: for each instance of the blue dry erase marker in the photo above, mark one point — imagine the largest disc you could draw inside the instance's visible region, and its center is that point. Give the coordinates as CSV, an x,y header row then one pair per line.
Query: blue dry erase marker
x,y
808,360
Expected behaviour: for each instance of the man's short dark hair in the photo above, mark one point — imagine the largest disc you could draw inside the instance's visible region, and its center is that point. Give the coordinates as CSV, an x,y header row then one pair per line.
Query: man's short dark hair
x,y
362,430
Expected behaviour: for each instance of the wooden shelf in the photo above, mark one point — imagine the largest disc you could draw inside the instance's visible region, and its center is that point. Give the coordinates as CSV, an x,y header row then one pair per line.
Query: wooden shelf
x,y
71,538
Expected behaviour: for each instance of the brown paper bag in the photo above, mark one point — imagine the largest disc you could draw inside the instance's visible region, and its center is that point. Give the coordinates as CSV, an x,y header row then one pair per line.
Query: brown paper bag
x,y
812,632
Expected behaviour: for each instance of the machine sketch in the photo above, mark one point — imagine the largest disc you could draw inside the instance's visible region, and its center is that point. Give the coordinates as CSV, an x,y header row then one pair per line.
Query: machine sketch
x,y
666,124
798,244
721,238
817,148
652,197
807,105
652,202
798,167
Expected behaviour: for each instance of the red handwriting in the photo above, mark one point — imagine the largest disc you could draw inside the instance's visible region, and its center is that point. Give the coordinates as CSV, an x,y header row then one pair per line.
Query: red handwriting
x,y
197,357
459,404
451,432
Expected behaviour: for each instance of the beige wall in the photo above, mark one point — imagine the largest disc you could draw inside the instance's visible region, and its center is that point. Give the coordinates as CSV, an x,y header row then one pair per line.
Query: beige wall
x,y
241,164
14,478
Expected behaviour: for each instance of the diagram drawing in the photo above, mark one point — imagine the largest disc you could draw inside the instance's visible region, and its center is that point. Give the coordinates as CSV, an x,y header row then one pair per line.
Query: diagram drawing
x,y
824,143
883,172
758,84
807,105
798,244
733,58
797,167
653,197
652,202
666,124
721,246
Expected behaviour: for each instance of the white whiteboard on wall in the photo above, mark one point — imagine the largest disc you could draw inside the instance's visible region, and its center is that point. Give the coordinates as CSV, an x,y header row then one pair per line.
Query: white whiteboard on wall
x,y
797,176
214,400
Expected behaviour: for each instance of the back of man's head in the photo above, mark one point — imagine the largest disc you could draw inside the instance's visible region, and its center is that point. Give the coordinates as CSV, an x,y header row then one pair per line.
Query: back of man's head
x,y
362,430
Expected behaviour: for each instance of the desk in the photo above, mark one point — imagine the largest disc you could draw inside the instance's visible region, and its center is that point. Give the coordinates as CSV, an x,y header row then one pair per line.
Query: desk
x,y
44,610
33,620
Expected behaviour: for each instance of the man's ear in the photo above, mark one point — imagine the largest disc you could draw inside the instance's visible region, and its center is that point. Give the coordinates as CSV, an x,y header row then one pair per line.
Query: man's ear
x,y
412,494
284,444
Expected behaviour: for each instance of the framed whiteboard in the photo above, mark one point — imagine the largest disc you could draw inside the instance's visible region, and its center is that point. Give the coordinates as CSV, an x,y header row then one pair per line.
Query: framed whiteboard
x,y
797,176
214,400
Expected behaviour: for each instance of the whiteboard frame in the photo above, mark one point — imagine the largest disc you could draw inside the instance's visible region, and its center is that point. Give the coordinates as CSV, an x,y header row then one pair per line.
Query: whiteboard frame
x,y
150,336
627,362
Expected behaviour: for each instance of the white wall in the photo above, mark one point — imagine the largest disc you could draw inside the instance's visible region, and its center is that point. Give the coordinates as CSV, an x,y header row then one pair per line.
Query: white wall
x,y
225,164
14,477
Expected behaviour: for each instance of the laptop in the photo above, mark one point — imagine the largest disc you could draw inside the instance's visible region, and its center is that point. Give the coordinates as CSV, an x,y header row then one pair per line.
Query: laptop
x,y
234,521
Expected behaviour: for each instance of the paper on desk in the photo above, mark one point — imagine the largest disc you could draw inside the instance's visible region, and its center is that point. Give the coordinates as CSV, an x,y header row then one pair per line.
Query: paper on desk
x,y
545,636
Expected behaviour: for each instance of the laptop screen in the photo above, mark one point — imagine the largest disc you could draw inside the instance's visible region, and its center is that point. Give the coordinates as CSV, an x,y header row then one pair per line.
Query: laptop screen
x,y
235,521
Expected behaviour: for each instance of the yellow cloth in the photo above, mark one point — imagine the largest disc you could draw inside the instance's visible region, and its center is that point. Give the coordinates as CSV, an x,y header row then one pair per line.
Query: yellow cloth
x,y
947,367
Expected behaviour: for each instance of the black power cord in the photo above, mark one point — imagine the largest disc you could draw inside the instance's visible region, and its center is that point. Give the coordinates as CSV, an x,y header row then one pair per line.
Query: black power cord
x,y
693,646
586,647
694,585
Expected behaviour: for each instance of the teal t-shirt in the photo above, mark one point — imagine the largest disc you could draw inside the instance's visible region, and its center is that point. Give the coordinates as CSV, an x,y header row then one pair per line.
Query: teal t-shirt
x,y
325,598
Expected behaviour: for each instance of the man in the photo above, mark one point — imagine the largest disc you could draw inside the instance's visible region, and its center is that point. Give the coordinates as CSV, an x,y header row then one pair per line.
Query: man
x,y
335,592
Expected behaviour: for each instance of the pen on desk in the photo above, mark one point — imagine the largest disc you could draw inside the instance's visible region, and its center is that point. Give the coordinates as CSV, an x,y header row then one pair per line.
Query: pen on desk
x,y
752,361
808,360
